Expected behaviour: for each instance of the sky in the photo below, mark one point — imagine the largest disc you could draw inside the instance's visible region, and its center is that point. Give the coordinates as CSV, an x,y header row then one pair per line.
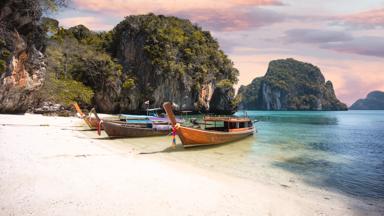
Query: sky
x,y
344,38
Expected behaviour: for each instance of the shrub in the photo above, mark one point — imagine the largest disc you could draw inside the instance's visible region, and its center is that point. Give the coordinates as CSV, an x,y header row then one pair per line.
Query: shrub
x,y
225,83
66,91
129,83
2,66
5,54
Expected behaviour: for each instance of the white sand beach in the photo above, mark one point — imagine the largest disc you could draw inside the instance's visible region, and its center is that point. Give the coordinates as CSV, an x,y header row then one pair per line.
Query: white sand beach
x,y
48,166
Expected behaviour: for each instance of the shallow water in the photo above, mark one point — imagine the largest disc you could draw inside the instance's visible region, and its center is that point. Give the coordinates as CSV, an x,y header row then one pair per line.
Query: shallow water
x,y
335,151
343,151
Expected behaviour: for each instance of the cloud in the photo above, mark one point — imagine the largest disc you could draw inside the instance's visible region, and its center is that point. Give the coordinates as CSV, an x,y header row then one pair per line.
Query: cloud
x,y
365,20
316,36
371,46
338,41
89,21
225,15
235,19
258,2
147,6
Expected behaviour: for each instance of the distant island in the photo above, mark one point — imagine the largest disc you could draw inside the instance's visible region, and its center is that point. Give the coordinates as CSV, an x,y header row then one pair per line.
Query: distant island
x,y
290,85
373,101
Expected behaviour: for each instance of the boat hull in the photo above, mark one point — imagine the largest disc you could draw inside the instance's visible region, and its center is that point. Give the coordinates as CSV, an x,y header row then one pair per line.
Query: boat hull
x,y
119,130
192,136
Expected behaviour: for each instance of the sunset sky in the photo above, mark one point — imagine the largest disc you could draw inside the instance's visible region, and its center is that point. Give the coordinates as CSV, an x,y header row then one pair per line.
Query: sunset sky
x,y
344,38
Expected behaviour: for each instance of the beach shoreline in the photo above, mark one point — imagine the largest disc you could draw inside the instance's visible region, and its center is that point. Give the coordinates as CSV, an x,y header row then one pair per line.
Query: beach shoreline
x,y
51,166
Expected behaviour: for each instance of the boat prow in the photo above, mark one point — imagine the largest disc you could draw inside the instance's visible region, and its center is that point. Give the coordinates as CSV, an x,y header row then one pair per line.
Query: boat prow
x,y
92,121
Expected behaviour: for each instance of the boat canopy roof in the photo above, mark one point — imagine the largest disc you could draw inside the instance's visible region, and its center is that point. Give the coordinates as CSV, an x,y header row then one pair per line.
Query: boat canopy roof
x,y
153,109
145,118
126,116
226,118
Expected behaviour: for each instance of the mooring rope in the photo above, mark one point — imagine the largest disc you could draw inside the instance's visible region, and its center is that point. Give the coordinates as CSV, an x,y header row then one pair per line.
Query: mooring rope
x,y
99,127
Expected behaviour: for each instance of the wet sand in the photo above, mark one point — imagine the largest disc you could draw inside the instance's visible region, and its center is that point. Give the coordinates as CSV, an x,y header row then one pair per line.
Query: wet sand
x,y
54,166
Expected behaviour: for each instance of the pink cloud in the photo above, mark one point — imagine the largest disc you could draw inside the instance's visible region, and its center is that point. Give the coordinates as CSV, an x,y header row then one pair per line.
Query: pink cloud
x,y
92,23
226,15
146,6
366,19
258,2
232,19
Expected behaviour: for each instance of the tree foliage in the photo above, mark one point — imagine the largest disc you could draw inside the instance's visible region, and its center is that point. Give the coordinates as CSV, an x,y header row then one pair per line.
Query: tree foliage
x,y
176,47
127,64
65,91
77,55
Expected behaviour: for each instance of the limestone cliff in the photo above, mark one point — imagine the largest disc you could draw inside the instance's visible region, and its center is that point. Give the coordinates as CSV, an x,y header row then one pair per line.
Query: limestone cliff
x,y
146,57
170,59
290,85
22,66
373,101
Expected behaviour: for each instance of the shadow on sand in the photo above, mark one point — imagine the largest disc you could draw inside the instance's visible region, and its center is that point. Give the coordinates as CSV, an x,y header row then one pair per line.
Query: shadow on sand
x,y
180,148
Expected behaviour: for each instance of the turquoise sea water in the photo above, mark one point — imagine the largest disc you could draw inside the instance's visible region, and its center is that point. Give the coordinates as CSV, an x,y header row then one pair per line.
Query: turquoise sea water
x,y
342,151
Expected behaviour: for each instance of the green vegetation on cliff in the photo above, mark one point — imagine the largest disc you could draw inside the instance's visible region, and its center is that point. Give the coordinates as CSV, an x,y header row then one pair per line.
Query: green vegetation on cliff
x,y
77,64
168,58
290,85
248,96
174,46
146,57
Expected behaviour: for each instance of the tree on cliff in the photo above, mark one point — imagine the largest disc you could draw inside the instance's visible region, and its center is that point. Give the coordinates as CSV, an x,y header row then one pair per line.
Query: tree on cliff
x,y
77,55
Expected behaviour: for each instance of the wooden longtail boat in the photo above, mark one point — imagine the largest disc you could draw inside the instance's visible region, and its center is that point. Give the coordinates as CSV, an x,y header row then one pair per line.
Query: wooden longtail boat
x,y
123,129
92,121
138,127
233,129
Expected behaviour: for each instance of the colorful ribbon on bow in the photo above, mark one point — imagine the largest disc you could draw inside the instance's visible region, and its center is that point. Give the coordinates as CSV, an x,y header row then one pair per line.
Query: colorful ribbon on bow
x,y
174,130
173,137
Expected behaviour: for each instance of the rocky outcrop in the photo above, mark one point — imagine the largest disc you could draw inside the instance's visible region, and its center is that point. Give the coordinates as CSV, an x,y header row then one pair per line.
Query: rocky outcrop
x,y
373,101
290,85
169,59
145,57
21,45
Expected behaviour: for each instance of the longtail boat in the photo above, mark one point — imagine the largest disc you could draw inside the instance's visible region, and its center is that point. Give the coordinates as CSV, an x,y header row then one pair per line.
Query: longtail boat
x,y
139,127
223,129
92,121
122,129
